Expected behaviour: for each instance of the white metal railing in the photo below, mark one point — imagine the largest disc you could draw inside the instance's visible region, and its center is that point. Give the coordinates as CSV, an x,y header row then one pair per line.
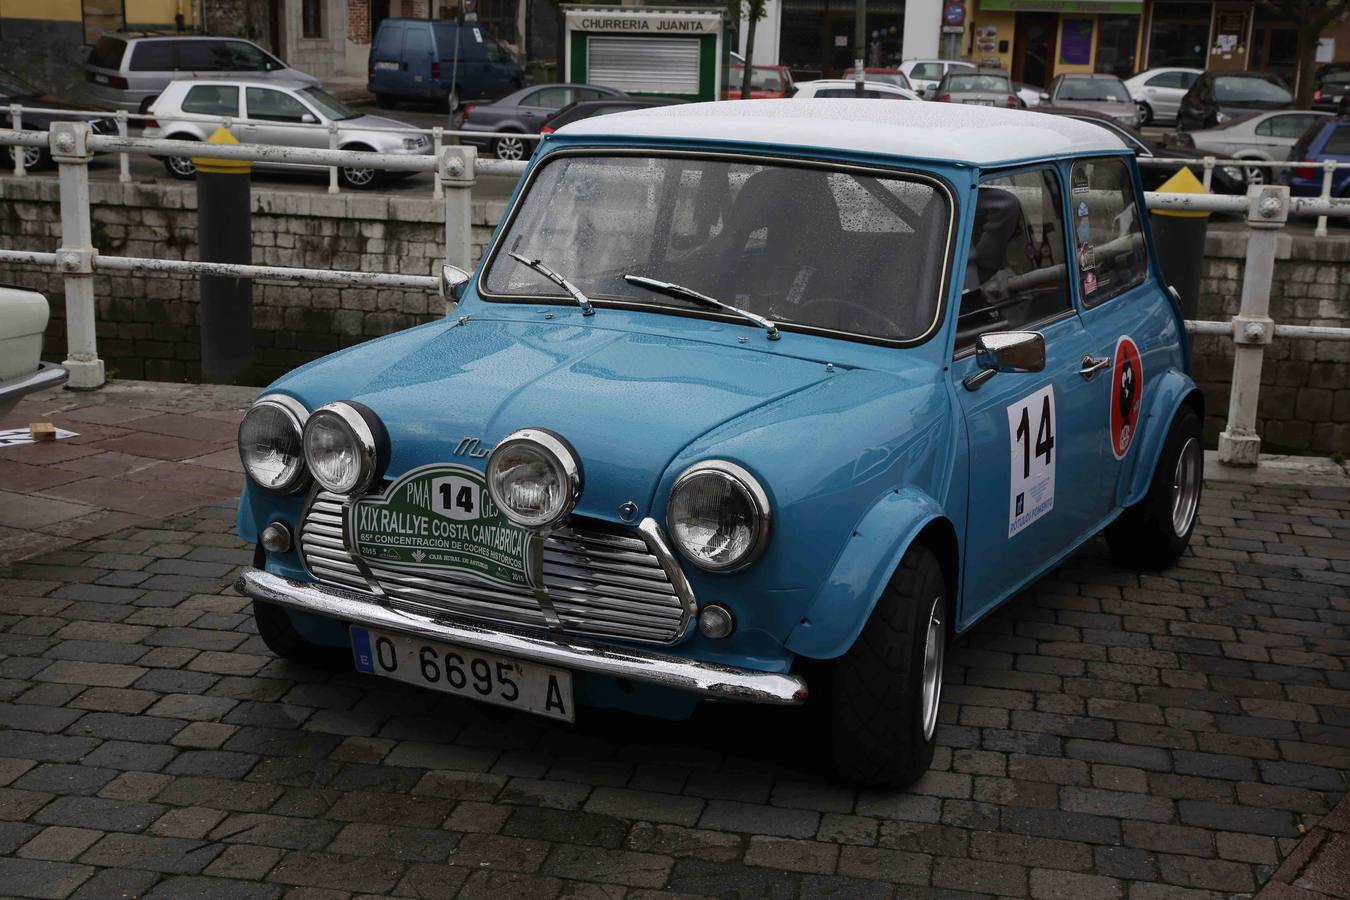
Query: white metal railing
x,y
1208,164
1267,209
334,129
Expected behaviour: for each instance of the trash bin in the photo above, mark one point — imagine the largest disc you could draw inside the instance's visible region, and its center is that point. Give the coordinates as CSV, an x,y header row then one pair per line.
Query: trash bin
x,y
1179,239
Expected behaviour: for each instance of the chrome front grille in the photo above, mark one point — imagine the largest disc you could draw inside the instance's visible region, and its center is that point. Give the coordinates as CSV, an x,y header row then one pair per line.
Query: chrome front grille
x,y
601,583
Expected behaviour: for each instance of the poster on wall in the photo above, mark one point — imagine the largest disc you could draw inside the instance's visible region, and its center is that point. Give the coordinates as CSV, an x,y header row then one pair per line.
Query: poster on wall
x,y
986,38
1075,42
1230,33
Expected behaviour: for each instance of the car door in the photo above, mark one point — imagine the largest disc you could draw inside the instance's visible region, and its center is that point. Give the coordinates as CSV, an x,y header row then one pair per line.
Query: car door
x,y
1277,133
1129,315
1033,440
417,59
1163,94
274,115
535,108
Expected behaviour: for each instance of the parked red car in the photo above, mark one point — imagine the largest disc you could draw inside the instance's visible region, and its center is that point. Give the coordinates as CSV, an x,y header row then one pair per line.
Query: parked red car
x,y
766,82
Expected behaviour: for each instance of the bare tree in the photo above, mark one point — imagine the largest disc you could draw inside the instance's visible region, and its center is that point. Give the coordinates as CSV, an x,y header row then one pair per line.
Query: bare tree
x,y
1312,17
751,11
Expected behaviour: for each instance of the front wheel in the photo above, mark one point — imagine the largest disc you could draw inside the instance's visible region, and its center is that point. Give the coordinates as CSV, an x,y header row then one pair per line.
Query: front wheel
x,y
888,686
1145,114
360,178
1153,533
509,147
1255,175
278,632
33,157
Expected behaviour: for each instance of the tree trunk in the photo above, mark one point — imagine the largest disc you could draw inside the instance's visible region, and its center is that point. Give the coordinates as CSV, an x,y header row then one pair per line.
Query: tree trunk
x,y
1307,64
749,57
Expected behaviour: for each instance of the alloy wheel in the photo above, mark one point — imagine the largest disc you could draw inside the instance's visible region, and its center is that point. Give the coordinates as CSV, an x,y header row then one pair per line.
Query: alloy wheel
x,y
1186,486
359,177
510,148
934,648
183,166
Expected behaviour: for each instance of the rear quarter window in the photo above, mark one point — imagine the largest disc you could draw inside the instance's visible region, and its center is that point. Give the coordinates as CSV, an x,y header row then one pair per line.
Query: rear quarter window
x,y
1338,142
1108,237
212,100
154,56
389,40
107,53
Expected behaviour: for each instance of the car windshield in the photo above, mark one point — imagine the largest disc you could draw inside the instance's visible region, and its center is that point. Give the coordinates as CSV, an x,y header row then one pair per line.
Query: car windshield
x,y
848,251
1093,89
14,86
896,78
326,103
1232,89
1337,79
989,84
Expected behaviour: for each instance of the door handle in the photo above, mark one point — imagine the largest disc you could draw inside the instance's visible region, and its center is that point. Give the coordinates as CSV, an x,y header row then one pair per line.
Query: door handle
x,y
1091,365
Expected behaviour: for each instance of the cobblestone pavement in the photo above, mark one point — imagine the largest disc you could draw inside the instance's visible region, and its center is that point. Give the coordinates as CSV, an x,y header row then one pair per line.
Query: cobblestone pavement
x,y
1107,734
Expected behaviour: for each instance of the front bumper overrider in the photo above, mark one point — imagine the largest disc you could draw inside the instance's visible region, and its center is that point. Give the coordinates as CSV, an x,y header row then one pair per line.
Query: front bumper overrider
x,y
708,679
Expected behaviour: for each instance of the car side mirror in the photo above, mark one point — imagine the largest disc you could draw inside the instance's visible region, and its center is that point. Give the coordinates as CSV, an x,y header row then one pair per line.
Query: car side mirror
x,y
1007,351
453,279
308,119
1045,97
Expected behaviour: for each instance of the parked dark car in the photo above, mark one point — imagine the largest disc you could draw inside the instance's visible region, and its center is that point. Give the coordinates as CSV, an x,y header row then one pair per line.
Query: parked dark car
x,y
1329,139
1332,90
14,89
523,112
1217,97
1225,180
585,109
416,59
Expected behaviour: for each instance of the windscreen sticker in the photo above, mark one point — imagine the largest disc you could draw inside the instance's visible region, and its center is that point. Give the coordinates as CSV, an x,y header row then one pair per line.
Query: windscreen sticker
x,y
1127,392
477,35
1031,443
1079,181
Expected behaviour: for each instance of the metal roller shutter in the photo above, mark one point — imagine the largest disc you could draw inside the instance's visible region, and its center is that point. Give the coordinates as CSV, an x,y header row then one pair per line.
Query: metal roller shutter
x,y
646,65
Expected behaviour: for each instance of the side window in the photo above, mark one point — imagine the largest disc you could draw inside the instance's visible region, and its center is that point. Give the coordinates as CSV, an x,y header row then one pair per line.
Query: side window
x,y
1267,128
247,58
1108,238
931,71
1015,271
274,106
1291,126
1189,78
1338,142
589,94
204,56
550,98
154,56
212,100
1166,80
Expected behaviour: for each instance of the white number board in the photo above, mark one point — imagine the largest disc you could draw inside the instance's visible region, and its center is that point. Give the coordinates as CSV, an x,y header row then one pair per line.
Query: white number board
x,y
1031,445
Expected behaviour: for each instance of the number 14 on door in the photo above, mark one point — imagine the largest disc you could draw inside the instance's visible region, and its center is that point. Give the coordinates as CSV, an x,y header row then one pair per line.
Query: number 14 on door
x,y
1031,440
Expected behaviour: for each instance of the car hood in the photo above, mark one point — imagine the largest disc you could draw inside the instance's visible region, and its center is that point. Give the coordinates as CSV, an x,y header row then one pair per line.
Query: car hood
x,y
374,122
628,402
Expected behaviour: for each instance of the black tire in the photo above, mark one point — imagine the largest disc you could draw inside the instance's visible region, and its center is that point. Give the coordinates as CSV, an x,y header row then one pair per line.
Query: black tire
x,y
144,108
386,101
360,179
181,167
1145,113
1149,535
879,731
279,634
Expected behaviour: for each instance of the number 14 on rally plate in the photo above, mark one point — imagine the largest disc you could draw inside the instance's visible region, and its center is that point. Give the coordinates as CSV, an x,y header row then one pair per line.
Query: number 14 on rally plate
x,y
456,498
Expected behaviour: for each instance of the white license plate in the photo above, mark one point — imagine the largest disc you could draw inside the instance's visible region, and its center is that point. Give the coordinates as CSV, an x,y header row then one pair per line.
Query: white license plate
x,y
387,66
529,686
979,102
101,79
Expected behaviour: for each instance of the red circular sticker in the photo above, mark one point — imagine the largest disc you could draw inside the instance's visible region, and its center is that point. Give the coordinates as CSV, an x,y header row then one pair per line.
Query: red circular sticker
x,y
1127,390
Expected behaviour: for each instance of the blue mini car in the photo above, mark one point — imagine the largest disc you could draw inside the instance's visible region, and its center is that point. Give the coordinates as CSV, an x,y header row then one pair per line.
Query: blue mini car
x,y
744,401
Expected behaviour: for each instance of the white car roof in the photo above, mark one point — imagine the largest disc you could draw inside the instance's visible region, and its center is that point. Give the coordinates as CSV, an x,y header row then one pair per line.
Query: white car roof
x,y
977,135
258,80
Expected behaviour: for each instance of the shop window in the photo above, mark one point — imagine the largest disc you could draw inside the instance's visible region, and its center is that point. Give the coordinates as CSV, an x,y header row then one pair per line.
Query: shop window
x,y
101,16
1116,39
1179,35
311,18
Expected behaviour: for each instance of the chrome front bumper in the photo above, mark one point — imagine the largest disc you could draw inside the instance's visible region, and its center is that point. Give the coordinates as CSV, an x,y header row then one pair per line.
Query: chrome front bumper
x,y
705,678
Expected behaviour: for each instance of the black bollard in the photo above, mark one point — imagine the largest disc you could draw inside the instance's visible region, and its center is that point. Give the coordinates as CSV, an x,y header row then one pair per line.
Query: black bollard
x,y
1179,238
225,234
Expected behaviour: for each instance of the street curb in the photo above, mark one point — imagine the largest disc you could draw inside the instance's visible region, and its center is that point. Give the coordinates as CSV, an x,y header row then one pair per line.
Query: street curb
x,y
1310,471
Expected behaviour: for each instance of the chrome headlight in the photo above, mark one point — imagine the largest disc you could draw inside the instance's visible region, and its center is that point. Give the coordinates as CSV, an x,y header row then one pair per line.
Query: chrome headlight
x,y
412,143
341,447
270,445
534,478
718,516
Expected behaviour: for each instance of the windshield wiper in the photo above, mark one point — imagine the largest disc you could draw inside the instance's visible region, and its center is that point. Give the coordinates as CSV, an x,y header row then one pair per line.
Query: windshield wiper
x,y
582,300
679,290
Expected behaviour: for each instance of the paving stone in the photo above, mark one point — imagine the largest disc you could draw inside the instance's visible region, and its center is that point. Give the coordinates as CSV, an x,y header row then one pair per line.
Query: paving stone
x,y
347,873
791,855
681,843
128,755
983,877
108,815
563,826
699,878
198,888
392,842
39,878
122,884
239,861
1230,817
59,778
644,805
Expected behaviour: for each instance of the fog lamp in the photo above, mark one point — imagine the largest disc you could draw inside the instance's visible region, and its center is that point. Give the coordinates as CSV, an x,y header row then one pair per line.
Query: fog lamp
x,y
276,538
716,622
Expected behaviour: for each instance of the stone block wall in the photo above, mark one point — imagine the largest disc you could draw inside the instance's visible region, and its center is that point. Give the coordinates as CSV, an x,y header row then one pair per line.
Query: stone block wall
x,y
1305,385
148,323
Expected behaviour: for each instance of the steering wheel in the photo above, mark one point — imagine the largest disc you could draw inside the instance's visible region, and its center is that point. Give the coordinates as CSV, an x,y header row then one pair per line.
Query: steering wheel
x,y
860,314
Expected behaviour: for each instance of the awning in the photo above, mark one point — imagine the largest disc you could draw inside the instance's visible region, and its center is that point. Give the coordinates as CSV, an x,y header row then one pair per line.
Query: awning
x,y
1134,7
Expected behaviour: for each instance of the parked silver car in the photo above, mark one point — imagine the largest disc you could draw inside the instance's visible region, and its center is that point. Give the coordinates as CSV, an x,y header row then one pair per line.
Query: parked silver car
x,y
1158,92
276,112
924,74
1266,135
977,89
1104,94
127,70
